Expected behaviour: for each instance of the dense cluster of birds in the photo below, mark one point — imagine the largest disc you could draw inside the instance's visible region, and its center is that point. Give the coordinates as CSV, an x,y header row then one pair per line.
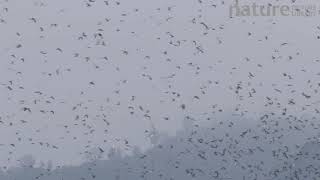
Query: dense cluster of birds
x,y
195,153
106,83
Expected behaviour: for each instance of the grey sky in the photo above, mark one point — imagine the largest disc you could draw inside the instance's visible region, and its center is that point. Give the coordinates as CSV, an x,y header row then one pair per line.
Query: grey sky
x,y
78,76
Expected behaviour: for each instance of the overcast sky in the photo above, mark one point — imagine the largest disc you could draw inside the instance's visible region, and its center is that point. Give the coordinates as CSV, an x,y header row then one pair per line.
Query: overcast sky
x,y
77,75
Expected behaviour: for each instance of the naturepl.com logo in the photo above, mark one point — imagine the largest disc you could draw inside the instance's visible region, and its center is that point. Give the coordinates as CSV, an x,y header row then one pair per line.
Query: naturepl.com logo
x,y
256,10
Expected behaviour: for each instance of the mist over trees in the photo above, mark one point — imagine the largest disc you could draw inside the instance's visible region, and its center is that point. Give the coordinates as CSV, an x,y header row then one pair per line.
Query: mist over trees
x,y
199,152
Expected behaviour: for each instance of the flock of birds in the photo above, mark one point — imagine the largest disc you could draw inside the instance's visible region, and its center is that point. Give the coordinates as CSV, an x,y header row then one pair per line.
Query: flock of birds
x,y
105,84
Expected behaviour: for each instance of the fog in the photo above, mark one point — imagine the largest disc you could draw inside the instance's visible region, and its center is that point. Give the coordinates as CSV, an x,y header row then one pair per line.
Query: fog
x,y
80,79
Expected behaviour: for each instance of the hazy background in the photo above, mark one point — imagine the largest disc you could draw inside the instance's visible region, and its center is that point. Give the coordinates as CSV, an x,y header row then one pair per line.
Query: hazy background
x,y
80,86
